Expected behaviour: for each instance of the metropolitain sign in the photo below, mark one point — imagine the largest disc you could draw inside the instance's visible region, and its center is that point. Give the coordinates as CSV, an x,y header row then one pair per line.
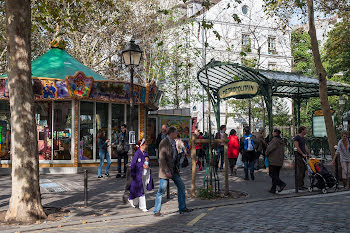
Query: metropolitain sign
x,y
239,90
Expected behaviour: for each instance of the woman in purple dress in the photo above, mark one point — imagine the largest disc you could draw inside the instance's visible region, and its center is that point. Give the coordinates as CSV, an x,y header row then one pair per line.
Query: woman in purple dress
x,y
141,177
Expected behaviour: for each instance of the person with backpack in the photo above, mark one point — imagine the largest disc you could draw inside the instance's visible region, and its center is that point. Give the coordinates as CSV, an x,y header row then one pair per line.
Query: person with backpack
x,y
248,145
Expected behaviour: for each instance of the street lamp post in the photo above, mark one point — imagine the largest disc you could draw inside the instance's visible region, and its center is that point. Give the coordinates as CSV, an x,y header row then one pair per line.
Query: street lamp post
x,y
132,57
341,105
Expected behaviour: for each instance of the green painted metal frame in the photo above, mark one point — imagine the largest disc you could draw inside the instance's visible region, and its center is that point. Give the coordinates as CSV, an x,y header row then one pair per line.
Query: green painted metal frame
x,y
227,73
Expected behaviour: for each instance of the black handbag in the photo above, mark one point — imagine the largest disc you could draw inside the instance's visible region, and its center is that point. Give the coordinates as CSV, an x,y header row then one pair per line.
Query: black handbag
x,y
120,149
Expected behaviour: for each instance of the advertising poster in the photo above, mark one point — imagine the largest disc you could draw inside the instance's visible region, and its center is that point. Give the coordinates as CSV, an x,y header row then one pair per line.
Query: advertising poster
x,y
181,123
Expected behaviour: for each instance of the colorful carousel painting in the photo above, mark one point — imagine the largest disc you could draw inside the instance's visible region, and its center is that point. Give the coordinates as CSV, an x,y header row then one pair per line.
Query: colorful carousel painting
x,y
72,103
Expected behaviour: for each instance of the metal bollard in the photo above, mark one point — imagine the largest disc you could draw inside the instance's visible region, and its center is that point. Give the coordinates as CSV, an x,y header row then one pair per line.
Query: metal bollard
x,y
85,188
168,190
296,170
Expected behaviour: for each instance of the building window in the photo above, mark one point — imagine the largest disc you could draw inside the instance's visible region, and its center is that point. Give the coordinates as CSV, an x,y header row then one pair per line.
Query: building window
x,y
86,130
272,66
271,41
246,43
117,121
245,9
5,131
43,119
62,132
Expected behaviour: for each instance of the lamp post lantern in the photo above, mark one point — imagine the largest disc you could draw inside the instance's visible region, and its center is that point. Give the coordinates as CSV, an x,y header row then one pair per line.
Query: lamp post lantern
x,y
132,57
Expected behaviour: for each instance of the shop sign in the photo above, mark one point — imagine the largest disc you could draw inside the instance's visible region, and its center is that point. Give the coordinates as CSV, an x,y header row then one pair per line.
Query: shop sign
x,y
320,112
239,90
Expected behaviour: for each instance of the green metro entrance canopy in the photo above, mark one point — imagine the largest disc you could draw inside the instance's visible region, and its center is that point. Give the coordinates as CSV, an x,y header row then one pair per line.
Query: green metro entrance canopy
x,y
231,80
57,64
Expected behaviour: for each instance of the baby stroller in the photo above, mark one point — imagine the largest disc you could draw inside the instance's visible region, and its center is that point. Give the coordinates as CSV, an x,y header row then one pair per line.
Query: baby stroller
x,y
319,176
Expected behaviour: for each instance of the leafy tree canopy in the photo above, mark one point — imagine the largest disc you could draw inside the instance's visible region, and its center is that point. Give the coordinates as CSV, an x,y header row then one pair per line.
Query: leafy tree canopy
x,y
337,51
301,52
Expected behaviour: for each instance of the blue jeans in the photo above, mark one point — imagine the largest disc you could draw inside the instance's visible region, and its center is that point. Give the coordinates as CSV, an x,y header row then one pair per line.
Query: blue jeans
x,y
250,165
104,155
181,196
221,156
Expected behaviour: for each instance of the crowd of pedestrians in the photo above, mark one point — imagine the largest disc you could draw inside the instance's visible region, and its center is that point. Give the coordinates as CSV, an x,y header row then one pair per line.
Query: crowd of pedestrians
x,y
249,149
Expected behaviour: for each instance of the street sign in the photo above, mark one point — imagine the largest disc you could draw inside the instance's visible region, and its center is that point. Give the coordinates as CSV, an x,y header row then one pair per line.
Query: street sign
x,y
319,127
239,90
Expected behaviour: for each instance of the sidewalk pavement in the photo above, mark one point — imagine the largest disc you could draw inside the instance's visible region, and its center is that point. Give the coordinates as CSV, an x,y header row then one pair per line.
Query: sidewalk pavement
x,y
105,195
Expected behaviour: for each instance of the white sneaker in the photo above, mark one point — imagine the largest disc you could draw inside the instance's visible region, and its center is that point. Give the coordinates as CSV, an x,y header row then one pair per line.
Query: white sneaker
x,y
144,210
132,204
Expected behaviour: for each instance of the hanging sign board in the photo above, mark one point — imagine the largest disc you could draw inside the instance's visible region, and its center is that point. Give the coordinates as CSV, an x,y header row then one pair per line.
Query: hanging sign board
x,y
318,124
239,90
320,112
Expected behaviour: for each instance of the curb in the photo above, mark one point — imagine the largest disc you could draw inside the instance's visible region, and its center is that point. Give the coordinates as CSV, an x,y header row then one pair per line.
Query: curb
x,y
54,225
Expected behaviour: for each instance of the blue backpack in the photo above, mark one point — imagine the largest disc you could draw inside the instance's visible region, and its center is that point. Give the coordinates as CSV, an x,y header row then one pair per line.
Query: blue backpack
x,y
248,143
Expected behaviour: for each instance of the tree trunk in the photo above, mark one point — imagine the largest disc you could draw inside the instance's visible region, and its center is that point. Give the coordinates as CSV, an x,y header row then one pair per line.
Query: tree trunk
x,y
332,139
25,203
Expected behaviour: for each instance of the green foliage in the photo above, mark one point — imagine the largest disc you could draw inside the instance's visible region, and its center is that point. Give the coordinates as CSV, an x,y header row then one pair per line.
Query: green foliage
x,y
206,194
281,116
241,109
249,62
337,51
301,52
280,111
313,104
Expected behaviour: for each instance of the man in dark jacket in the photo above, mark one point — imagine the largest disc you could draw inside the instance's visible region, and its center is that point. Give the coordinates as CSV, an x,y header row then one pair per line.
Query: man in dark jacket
x,y
275,155
123,141
247,146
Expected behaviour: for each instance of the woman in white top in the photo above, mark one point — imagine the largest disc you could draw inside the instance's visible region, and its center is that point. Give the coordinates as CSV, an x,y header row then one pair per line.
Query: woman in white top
x,y
344,152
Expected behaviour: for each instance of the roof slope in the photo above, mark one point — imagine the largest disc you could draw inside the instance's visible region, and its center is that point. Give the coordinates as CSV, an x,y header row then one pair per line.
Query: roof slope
x,y
283,84
57,64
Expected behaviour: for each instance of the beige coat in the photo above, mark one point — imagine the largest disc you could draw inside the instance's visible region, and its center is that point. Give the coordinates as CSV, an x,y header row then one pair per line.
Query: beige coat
x,y
165,158
275,151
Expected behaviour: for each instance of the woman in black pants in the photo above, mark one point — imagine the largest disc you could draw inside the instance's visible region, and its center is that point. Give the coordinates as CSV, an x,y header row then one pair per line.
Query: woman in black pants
x,y
275,154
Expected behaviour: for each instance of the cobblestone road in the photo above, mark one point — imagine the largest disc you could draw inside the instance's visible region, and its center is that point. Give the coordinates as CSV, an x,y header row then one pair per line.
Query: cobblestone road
x,y
318,213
